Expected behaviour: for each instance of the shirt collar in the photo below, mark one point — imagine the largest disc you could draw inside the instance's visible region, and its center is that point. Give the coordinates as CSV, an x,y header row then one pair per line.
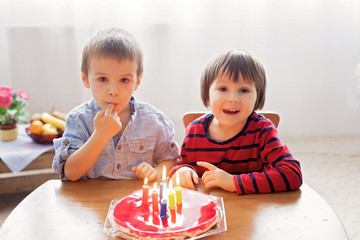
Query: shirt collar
x,y
133,105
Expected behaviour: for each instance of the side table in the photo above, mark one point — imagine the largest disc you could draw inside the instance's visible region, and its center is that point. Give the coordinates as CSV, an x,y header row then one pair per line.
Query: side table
x,y
36,173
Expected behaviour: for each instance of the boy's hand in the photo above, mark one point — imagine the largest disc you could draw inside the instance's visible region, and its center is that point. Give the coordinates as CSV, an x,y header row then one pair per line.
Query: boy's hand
x,y
217,177
107,122
187,177
144,170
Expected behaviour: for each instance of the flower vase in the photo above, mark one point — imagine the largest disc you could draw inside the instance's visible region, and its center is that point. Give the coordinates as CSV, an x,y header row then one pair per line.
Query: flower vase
x,y
8,132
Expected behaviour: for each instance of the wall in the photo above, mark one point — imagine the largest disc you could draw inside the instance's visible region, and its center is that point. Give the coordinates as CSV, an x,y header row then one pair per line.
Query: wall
x,y
310,50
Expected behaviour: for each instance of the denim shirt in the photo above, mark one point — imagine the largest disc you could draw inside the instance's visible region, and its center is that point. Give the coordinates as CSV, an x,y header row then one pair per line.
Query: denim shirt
x,y
148,137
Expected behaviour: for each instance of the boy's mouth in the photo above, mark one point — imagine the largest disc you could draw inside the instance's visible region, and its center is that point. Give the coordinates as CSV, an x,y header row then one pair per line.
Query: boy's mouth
x,y
229,111
113,103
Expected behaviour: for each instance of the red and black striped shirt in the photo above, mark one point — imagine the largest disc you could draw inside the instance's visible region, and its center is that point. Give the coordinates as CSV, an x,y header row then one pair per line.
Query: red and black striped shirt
x,y
255,157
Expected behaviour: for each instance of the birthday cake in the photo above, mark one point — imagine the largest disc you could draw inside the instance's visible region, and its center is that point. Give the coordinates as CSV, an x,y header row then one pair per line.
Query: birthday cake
x,y
196,214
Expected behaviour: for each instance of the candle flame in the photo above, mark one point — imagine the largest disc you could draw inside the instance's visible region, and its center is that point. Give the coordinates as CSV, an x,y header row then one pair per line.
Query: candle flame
x,y
145,181
164,173
155,185
170,184
177,179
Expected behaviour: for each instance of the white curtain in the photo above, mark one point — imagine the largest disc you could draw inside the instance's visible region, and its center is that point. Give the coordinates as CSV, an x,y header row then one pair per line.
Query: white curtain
x,y
310,50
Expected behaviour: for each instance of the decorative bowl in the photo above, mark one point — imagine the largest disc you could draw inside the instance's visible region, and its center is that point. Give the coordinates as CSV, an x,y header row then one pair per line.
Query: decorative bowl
x,y
43,139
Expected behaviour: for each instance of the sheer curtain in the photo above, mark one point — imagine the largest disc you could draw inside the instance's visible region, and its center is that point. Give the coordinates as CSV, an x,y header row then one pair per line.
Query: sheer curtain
x,y
310,50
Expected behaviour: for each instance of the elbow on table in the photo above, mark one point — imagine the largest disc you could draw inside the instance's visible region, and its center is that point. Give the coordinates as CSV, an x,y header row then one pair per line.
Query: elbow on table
x,y
70,175
297,182
297,185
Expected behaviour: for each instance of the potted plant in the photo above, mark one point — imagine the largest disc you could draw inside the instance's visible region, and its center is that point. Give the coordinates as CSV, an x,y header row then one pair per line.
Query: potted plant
x,y
12,111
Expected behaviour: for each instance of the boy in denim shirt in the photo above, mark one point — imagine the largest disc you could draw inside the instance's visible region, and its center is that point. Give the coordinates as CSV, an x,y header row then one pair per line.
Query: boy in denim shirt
x,y
113,135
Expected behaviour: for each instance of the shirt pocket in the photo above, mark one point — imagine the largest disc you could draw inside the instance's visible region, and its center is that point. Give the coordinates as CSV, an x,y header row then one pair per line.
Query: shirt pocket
x,y
141,147
141,151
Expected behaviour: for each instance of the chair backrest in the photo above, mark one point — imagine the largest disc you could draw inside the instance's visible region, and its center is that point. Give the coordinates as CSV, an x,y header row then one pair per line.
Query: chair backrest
x,y
191,116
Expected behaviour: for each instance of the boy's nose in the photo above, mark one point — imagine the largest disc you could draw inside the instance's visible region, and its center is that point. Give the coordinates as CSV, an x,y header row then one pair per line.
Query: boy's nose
x,y
234,97
113,91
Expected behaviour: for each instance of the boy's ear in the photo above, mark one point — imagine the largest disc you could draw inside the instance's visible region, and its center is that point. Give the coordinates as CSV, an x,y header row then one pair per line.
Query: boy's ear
x,y
138,82
85,80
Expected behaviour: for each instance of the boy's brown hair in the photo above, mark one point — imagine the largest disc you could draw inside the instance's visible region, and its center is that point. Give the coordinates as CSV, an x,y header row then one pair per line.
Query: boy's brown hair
x,y
233,63
115,43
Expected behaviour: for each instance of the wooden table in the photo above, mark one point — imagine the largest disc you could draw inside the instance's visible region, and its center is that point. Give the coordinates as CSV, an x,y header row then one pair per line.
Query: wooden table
x,y
77,210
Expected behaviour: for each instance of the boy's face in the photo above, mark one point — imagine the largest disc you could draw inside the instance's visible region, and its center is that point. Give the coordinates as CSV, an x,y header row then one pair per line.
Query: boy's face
x,y
231,102
112,82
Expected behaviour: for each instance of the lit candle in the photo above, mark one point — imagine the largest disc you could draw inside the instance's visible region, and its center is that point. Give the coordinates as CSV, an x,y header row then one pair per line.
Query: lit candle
x,y
173,216
179,209
146,217
145,196
155,199
178,190
163,208
156,219
171,196
162,183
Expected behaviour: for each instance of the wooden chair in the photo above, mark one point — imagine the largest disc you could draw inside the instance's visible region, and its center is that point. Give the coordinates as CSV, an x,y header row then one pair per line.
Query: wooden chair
x,y
191,116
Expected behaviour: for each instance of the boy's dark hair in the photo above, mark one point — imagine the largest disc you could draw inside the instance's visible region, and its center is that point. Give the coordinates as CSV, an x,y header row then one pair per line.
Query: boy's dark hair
x,y
115,43
233,63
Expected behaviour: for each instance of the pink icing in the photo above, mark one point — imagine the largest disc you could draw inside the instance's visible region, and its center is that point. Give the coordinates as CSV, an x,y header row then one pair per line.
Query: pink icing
x,y
198,212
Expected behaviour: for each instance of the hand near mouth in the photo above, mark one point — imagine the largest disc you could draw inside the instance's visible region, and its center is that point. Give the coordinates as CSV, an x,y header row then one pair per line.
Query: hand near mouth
x,y
107,122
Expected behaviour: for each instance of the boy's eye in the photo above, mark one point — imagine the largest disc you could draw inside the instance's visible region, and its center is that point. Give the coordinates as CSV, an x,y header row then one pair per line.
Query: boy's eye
x,y
124,80
222,89
244,90
102,79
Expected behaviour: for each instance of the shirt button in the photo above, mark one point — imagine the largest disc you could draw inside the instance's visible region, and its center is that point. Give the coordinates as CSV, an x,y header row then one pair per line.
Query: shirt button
x,y
172,145
141,147
66,141
118,166
119,147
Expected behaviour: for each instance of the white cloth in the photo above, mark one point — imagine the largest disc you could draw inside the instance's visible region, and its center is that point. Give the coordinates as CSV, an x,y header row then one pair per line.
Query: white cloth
x,y
21,152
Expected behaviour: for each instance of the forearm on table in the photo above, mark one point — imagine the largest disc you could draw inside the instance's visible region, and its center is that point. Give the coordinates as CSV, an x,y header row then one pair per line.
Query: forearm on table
x,y
80,162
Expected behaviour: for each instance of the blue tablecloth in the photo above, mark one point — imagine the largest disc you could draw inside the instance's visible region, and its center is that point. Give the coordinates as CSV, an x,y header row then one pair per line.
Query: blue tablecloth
x,y
21,152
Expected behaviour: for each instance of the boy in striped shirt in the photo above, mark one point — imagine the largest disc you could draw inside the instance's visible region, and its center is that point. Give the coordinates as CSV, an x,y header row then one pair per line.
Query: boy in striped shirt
x,y
233,147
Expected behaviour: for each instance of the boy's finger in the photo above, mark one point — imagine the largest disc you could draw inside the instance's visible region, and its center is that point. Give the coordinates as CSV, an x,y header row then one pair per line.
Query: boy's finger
x,y
183,181
109,109
208,177
114,113
140,165
153,176
144,169
99,115
138,170
147,171
195,177
206,165
189,183
204,177
210,184
117,108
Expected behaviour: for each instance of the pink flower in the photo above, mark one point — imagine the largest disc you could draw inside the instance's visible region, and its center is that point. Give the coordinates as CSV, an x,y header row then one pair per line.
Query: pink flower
x,y
6,91
5,101
23,94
